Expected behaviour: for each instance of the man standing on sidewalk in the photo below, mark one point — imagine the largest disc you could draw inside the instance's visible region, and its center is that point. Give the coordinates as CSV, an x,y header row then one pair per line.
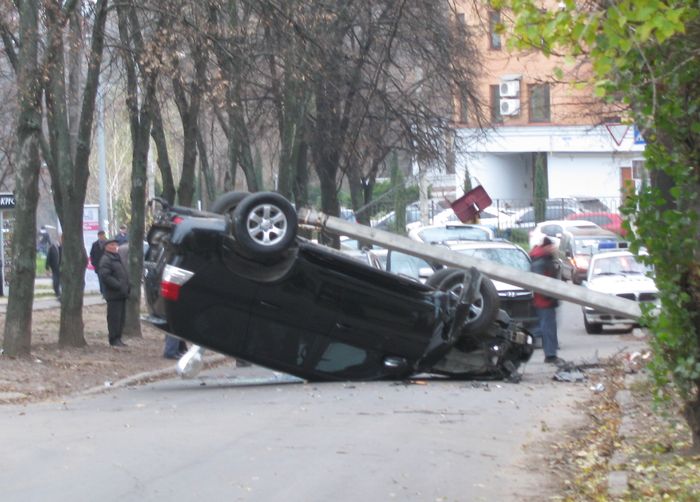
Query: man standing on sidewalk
x,y
544,262
53,263
96,252
115,282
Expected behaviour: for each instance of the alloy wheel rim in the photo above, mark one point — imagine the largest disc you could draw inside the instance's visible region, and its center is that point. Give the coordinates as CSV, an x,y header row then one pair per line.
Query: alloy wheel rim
x,y
475,309
266,224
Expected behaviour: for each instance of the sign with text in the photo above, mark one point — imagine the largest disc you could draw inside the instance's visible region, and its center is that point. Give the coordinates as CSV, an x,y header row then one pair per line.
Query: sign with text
x,y
91,225
7,201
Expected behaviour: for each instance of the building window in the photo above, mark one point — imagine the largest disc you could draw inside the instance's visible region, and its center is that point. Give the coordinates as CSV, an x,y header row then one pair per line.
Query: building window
x,y
494,22
539,102
496,116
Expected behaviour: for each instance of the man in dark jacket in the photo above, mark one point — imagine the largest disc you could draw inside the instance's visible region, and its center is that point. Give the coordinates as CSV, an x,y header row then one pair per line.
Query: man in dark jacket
x,y
115,283
53,263
545,262
96,251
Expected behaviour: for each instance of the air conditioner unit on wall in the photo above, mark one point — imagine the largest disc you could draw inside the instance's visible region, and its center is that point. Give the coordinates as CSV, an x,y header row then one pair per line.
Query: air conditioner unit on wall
x,y
509,89
510,106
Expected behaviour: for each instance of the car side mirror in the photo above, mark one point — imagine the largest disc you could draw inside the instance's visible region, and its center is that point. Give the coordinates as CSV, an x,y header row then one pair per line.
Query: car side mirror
x,y
425,272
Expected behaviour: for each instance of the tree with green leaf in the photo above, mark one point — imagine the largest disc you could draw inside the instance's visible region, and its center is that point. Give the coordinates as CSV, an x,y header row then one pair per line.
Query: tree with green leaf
x,y
644,55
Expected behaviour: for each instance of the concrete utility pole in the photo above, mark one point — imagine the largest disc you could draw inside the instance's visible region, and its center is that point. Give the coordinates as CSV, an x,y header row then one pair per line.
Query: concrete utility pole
x,y
527,280
102,160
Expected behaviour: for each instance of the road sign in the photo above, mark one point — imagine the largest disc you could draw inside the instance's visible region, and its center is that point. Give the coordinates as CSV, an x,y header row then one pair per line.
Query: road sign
x,y
7,201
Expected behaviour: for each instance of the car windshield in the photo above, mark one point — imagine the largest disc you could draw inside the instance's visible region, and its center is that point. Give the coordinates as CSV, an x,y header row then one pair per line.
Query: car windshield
x,y
453,233
512,257
618,265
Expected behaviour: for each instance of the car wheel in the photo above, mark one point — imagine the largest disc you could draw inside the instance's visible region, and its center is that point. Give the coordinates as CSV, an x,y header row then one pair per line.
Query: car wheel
x,y
227,203
264,224
484,310
436,278
592,328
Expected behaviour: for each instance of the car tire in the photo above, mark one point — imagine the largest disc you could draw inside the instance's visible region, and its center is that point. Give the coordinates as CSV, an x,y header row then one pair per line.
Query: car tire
x,y
483,312
264,224
592,328
439,276
228,202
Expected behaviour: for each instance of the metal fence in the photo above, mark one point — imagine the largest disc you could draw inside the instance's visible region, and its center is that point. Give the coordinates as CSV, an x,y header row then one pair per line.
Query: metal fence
x,y
508,217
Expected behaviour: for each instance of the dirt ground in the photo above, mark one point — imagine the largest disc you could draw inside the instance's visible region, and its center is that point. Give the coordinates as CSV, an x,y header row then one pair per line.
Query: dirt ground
x,y
50,373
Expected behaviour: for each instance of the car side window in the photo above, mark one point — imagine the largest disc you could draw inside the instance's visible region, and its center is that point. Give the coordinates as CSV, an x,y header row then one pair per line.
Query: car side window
x,y
601,220
404,264
348,361
551,230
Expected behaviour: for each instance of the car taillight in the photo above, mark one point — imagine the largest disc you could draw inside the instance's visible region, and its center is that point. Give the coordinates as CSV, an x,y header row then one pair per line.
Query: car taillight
x,y
581,262
177,219
173,279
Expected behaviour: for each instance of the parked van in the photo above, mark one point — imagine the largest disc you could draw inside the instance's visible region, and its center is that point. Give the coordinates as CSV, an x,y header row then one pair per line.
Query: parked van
x,y
578,244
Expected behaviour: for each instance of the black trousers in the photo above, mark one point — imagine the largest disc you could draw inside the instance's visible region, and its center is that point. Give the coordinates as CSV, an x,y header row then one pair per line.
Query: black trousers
x,y
116,312
56,282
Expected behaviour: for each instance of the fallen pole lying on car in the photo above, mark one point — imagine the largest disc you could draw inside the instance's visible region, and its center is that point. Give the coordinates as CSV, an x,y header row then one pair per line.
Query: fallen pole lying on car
x,y
528,280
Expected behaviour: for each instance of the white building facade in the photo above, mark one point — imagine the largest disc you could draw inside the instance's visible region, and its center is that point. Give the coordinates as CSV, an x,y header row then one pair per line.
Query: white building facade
x,y
579,160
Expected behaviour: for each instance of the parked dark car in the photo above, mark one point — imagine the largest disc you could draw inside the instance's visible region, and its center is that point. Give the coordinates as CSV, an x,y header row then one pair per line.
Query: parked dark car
x,y
517,302
242,283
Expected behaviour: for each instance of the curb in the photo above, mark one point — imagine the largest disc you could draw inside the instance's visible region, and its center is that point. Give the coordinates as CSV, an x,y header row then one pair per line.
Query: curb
x,y
149,376
618,477
50,302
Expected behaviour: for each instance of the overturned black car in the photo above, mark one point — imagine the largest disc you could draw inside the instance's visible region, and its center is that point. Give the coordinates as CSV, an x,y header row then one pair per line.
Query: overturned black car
x,y
238,280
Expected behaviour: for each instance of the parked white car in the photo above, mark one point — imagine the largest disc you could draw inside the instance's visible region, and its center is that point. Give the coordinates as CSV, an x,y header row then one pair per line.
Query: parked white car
x,y
617,273
554,228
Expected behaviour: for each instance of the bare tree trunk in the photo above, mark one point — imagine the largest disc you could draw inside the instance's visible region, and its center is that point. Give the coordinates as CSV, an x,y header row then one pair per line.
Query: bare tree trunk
x,y
75,53
18,322
140,113
301,181
69,174
166,172
329,197
209,185
139,167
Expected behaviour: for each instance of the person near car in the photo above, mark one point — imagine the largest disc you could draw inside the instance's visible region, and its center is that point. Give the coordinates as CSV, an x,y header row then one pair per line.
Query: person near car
x,y
53,263
43,240
115,280
96,251
122,236
544,262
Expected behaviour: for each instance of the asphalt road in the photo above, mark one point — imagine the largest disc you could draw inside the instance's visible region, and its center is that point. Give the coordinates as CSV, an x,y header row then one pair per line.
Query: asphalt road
x,y
252,435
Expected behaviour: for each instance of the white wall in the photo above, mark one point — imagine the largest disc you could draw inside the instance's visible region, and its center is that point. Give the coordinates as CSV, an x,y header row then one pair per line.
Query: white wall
x,y
503,176
575,174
